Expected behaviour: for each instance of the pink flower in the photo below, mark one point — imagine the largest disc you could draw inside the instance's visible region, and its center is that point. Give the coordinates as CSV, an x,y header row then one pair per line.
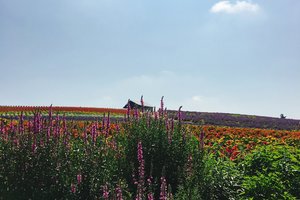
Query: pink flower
x,y
163,189
79,178
140,186
105,192
119,193
150,196
73,188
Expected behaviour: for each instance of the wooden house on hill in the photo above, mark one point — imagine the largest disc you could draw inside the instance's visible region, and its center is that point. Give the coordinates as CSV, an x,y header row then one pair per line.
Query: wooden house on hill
x,y
138,105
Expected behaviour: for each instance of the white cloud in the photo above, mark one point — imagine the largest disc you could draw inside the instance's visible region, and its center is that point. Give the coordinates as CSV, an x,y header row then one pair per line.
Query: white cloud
x,y
234,8
202,103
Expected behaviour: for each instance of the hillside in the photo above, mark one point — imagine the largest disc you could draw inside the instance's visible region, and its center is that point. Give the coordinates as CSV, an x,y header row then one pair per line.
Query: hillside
x,y
238,120
197,118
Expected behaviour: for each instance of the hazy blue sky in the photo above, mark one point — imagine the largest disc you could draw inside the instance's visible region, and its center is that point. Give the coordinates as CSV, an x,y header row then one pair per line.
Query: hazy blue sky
x,y
214,56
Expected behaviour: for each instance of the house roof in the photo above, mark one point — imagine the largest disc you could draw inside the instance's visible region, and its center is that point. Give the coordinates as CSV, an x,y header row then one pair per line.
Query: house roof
x,y
139,103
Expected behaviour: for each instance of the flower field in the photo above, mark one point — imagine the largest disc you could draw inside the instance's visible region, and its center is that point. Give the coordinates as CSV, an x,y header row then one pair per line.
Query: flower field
x,y
143,155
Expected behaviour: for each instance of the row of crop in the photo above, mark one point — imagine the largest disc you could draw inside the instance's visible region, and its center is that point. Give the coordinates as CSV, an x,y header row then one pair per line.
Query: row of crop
x,y
234,120
12,109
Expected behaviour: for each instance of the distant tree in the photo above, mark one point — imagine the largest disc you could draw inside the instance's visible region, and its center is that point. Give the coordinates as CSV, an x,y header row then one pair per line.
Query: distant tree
x,y
282,116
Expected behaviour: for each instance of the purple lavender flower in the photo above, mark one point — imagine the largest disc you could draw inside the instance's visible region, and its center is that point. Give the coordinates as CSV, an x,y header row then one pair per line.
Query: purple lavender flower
x,y
105,192
79,178
94,133
56,126
107,125
141,170
73,188
119,193
150,196
163,189
20,125
64,124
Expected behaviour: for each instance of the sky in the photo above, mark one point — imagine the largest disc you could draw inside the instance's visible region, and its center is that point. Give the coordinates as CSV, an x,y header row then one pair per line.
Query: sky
x,y
208,56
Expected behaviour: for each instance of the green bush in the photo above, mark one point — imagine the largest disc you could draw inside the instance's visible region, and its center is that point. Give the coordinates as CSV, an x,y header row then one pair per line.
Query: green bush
x,y
272,172
212,178
166,150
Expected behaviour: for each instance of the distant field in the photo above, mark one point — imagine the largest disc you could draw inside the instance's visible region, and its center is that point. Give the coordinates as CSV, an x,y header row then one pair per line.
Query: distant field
x,y
195,118
30,110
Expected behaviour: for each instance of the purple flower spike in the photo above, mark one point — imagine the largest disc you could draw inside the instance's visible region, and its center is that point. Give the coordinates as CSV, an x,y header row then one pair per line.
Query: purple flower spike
x,y
105,192
163,189
73,188
94,133
119,193
79,178
107,125
142,103
103,123
57,126
140,186
150,196
20,125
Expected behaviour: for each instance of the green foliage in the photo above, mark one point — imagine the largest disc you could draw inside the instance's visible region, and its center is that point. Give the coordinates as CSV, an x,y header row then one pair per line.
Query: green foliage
x,y
211,178
272,172
49,171
165,149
